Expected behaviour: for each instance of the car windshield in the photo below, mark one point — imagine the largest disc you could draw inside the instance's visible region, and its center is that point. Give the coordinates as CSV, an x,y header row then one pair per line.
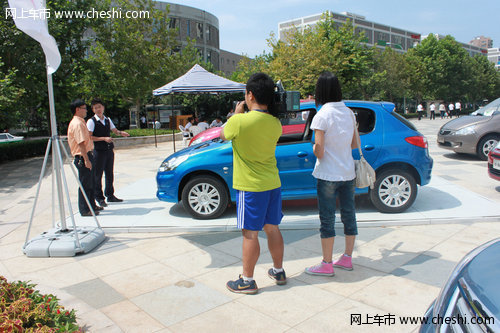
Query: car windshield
x,y
489,109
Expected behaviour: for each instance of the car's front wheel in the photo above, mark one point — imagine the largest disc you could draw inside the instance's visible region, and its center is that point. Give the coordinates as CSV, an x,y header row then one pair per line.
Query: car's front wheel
x,y
205,197
485,145
394,191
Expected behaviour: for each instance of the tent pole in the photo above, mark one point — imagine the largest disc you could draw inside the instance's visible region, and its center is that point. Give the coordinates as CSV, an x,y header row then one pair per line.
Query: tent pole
x,y
174,120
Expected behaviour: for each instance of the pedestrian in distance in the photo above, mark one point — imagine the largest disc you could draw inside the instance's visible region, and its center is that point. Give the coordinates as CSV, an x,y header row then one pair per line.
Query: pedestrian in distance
x,y
335,137
458,109
81,147
451,106
217,122
203,125
100,128
256,179
432,108
420,111
442,110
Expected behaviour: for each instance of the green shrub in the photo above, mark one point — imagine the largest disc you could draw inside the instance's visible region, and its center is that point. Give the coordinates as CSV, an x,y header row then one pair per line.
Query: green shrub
x,y
148,131
22,149
24,309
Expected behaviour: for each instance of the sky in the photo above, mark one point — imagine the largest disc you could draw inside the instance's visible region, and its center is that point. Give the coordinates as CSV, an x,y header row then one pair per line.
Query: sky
x,y
245,26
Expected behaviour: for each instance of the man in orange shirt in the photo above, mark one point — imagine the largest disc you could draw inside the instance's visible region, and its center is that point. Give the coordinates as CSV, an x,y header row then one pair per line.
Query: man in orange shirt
x,y
81,147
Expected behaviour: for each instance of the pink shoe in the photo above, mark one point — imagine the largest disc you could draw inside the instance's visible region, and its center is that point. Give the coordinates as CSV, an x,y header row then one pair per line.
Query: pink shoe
x,y
344,262
323,268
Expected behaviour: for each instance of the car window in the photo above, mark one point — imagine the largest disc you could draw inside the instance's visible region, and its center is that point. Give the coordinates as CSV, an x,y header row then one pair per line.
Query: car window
x,y
3,136
404,120
294,118
365,119
295,126
489,109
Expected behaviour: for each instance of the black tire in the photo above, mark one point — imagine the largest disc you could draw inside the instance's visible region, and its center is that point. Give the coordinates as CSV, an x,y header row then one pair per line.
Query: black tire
x,y
394,191
205,197
485,145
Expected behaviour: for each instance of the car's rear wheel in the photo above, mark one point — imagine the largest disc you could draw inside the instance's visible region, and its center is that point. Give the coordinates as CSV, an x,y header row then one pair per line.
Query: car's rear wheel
x,y
394,191
485,145
205,197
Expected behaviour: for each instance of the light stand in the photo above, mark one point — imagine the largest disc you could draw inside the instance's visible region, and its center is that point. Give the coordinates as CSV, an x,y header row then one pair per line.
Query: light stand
x,y
60,241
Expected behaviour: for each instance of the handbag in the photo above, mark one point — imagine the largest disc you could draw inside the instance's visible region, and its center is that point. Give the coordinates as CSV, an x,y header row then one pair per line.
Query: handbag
x,y
365,175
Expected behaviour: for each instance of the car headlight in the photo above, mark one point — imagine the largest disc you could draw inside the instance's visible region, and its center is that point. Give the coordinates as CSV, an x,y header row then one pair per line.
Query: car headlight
x,y
466,131
172,163
195,142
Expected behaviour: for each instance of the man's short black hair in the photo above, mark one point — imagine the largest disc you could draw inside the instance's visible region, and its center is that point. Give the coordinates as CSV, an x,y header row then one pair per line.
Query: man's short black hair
x,y
262,88
328,89
76,104
96,101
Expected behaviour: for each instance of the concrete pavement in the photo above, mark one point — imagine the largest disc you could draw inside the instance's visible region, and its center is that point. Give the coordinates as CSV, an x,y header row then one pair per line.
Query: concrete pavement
x,y
175,281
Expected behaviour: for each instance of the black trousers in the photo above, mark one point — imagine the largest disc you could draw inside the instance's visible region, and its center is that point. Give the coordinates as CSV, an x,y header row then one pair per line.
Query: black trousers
x,y
87,178
420,113
433,114
104,161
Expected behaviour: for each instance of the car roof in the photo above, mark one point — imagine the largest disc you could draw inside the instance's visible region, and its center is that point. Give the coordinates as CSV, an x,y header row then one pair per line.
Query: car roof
x,y
386,105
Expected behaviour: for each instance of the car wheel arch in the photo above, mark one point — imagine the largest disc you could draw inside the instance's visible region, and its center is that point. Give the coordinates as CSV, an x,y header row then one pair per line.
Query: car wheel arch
x,y
401,166
483,137
191,175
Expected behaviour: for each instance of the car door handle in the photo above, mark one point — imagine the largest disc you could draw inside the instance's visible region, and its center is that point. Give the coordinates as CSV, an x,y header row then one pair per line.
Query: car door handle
x,y
368,147
301,154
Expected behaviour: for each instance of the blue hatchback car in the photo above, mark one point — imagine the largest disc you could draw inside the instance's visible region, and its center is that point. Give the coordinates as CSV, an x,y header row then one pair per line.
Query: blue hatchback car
x,y
200,176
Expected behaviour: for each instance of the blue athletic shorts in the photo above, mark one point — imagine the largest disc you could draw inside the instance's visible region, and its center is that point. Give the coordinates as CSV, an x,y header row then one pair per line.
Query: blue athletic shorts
x,y
255,209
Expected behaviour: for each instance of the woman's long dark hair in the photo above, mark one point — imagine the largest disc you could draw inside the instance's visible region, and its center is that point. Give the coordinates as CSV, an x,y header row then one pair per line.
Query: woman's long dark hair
x,y
328,89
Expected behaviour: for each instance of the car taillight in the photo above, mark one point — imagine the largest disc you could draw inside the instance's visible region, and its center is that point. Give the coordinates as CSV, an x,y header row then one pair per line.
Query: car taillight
x,y
419,141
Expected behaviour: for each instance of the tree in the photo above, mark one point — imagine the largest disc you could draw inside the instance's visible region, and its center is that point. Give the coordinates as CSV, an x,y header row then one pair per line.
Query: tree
x,y
24,56
390,76
9,97
299,59
484,80
446,68
137,55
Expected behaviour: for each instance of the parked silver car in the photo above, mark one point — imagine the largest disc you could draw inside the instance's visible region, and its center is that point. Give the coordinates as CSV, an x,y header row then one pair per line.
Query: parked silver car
x,y
474,134
470,300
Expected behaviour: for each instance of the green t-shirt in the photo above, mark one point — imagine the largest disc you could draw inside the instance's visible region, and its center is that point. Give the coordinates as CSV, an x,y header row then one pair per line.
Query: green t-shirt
x,y
254,136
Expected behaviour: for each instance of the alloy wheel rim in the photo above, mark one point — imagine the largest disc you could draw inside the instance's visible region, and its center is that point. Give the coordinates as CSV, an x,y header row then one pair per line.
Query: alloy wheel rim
x,y
488,146
204,198
395,191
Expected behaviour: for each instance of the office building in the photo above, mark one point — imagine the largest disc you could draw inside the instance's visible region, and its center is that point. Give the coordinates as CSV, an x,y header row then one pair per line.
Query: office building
x,y
376,34
471,49
482,42
494,56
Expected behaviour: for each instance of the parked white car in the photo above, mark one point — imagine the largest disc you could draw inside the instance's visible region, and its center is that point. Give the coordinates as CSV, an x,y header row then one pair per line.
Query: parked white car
x,y
7,137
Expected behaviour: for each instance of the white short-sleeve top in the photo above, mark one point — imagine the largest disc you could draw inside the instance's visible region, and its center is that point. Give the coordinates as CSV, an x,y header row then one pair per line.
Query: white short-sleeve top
x,y
337,121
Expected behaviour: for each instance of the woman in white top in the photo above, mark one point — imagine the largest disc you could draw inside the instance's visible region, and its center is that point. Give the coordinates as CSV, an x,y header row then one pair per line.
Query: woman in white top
x,y
335,137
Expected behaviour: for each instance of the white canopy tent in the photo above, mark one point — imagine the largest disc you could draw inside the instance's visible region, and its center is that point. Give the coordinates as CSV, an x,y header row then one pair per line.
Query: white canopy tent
x,y
198,80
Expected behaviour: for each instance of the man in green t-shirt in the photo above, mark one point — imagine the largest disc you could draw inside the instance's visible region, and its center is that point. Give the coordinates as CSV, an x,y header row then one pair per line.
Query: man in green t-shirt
x,y
256,179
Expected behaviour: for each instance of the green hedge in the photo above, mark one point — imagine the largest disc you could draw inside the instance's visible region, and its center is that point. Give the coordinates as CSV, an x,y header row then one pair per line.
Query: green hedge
x,y
147,132
22,149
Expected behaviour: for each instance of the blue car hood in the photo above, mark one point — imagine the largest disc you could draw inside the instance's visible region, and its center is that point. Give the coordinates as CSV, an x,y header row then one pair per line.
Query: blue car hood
x,y
483,276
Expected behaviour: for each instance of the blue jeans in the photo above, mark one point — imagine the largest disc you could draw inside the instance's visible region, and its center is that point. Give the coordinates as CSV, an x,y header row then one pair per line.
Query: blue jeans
x,y
327,197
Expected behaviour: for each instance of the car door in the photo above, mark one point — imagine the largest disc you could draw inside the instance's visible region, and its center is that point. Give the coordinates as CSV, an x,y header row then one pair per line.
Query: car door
x,y
370,127
296,160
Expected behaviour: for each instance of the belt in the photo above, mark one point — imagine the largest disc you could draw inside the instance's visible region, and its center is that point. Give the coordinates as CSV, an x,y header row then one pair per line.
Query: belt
x,y
80,156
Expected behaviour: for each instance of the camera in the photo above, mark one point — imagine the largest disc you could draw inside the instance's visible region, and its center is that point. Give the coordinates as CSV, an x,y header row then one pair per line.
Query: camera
x,y
286,103
245,106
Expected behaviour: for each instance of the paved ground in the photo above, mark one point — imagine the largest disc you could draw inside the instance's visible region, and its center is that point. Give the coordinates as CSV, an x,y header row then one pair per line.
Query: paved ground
x,y
175,281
